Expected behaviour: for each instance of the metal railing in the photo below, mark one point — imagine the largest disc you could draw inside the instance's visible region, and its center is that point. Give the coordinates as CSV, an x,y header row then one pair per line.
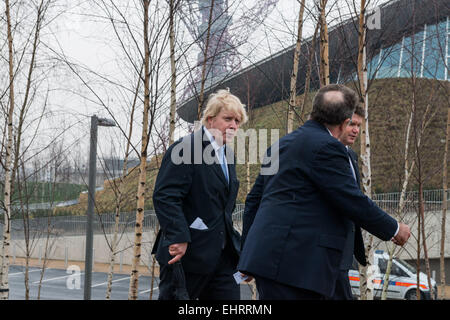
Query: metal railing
x,y
76,225
389,202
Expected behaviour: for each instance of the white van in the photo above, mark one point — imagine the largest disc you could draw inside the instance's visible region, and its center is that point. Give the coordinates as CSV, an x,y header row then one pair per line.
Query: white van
x,y
402,280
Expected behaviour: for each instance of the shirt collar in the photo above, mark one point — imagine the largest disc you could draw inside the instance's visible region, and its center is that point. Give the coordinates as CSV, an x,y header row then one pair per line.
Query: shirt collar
x,y
346,147
212,140
329,131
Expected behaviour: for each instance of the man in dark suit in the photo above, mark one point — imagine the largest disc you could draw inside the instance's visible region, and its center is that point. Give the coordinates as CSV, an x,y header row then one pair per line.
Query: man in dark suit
x,y
354,243
296,221
194,198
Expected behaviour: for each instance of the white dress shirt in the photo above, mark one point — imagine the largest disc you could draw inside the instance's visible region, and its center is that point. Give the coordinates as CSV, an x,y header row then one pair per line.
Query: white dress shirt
x,y
217,149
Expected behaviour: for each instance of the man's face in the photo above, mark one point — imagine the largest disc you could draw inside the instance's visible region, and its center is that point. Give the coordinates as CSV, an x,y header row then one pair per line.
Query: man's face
x,y
224,126
351,132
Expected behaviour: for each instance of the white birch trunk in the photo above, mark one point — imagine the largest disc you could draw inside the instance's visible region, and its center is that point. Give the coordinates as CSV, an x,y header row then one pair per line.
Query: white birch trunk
x,y
133,292
114,243
324,63
4,283
401,204
366,291
173,79
444,210
292,99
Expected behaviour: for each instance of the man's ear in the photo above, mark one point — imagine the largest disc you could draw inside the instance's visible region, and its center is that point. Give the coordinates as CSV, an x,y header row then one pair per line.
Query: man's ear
x,y
208,123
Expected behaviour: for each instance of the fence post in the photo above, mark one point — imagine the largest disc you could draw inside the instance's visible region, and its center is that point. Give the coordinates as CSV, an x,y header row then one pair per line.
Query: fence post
x,y
150,262
66,256
121,261
40,253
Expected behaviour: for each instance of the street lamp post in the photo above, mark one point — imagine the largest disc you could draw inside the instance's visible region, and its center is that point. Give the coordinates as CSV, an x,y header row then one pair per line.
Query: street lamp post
x,y
95,122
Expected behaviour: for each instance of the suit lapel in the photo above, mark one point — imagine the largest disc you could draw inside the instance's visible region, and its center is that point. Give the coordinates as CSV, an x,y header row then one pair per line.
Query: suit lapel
x,y
359,250
233,186
354,160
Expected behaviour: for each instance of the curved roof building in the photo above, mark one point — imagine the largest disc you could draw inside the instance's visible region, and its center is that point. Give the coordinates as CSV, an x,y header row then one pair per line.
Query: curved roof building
x,y
413,36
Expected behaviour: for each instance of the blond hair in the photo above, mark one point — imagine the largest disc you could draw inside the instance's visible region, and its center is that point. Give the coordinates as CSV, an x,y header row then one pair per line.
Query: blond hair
x,y
223,99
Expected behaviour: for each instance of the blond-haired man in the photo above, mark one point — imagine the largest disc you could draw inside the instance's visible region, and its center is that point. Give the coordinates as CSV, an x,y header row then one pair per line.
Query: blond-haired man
x,y
194,197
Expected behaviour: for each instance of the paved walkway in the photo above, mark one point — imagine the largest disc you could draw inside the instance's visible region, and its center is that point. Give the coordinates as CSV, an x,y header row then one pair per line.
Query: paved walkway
x,y
126,269
59,284
97,267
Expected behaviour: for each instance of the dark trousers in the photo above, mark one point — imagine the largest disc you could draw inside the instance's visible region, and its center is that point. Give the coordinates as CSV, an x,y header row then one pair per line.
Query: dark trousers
x,y
219,285
343,290
272,290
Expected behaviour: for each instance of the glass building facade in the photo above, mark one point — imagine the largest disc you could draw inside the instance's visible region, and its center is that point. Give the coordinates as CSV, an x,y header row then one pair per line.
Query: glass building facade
x,y
425,53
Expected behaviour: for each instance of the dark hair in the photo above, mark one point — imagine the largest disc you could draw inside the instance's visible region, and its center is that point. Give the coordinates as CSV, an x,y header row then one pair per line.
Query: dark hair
x,y
334,112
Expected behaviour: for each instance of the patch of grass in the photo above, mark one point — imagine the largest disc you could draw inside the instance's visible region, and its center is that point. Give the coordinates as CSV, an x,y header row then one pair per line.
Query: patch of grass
x,y
40,192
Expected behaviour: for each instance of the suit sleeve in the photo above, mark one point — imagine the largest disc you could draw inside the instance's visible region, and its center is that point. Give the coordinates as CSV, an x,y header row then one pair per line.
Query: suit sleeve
x,y
172,185
331,172
251,207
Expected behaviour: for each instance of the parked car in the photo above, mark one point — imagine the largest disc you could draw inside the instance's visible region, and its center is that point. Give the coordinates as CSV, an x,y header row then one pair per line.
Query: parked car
x,y
402,280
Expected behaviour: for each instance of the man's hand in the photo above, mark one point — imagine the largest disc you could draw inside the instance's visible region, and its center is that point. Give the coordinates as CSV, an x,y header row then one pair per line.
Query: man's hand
x,y
249,278
178,250
403,234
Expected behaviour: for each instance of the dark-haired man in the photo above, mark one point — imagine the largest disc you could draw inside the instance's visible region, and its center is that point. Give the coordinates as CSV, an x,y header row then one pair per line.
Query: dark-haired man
x,y
354,244
296,220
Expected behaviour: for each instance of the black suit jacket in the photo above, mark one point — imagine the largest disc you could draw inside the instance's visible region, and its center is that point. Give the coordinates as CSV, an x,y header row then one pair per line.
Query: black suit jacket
x,y
359,250
354,244
193,188
295,220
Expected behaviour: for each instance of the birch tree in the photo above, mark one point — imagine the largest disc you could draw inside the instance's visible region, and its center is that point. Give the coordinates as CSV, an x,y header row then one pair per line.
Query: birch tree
x,y
133,291
312,51
445,196
324,57
365,290
4,283
293,89
58,153
14,138
417,126
119,198
25,97
141,37
173,78
407,173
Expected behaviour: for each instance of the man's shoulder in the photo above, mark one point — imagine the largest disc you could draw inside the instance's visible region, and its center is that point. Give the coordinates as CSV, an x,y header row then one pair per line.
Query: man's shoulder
x,y
314,130
189,138
181,148
317,135
329,146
